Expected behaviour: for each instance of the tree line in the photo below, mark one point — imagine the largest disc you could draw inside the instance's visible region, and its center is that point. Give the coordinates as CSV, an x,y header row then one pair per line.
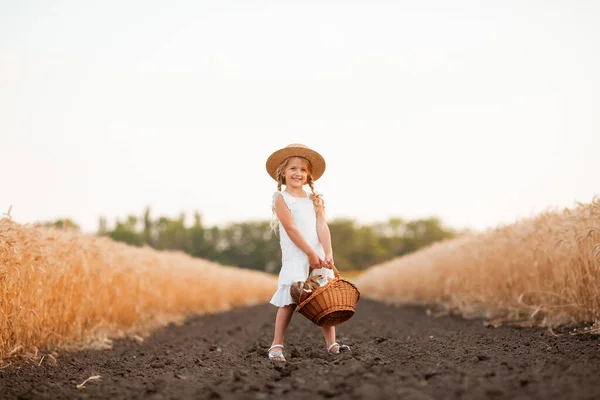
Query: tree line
x,y
253,245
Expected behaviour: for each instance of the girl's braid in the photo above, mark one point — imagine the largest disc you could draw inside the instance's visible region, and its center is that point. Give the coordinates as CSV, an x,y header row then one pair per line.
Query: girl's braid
x,y
316,198
280,182
279,174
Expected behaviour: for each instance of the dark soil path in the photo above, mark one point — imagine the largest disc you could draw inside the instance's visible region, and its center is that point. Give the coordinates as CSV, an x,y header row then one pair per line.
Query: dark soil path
x,y
396,353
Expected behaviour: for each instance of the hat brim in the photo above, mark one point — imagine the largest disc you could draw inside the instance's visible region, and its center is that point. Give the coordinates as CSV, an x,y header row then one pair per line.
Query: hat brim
x,y
316,160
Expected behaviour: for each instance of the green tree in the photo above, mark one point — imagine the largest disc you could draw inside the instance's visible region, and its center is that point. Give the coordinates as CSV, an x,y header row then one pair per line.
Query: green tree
x,y
148,236
253,245
126,232
171,233
62,223
422,232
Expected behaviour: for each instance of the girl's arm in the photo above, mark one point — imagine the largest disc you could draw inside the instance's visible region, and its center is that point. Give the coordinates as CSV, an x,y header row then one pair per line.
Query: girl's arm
x,y
325,237
287,221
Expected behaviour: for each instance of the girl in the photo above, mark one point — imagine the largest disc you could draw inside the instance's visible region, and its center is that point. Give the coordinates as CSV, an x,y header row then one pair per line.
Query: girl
x,y
304,234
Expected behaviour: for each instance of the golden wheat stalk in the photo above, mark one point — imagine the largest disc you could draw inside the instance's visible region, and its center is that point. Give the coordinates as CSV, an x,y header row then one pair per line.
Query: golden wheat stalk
x,y
64,289
545,268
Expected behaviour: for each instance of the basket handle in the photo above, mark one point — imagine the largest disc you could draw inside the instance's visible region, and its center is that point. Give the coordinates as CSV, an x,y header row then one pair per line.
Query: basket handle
x,y
336,273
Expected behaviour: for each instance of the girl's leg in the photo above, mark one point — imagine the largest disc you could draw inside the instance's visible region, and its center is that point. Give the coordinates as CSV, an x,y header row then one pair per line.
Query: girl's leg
x,y
284,316
329,335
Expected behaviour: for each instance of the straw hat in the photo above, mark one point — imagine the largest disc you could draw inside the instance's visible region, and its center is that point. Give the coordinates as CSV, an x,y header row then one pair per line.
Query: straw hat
x,y
296,150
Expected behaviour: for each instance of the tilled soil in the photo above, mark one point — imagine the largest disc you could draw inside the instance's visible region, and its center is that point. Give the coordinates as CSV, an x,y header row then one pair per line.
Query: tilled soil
x,y
396,353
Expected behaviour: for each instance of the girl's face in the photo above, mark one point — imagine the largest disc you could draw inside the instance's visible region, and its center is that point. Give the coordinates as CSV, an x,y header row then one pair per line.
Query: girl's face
x,y
296,173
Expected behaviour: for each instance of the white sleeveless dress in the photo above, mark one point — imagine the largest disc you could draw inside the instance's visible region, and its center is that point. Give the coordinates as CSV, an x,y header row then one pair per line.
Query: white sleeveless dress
x,y
294,262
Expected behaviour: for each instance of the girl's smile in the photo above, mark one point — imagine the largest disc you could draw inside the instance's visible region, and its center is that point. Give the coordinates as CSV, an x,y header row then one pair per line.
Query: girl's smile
x,y
296,173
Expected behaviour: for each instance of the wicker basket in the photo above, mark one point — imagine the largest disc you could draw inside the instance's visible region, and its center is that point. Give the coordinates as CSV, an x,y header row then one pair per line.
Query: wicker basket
x,y
331,304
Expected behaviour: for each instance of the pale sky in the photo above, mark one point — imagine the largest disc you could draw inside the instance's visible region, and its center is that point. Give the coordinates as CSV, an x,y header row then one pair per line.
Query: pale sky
x,y
477,112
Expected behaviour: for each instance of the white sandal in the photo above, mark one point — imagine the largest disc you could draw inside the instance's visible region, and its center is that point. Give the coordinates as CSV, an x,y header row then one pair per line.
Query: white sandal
x,y
341,348
274,355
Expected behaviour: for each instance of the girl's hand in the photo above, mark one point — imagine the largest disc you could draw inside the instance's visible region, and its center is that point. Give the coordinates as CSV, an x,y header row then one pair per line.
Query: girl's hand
x,y
329,260
314,261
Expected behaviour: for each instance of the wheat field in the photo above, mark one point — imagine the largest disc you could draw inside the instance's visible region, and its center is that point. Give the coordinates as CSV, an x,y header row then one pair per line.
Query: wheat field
x,y
544,270
66,290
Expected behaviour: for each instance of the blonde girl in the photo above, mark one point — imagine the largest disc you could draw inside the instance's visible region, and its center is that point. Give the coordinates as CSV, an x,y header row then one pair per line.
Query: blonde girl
x,y
304,234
